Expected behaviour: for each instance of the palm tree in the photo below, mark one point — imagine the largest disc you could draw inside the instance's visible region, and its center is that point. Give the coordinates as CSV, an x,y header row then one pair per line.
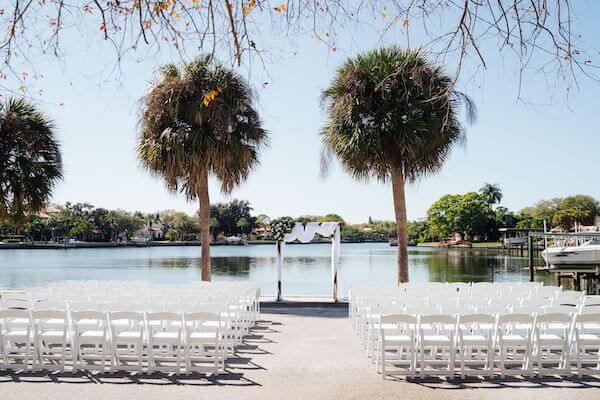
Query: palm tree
x,y
30,160
492,193
392,115
198,120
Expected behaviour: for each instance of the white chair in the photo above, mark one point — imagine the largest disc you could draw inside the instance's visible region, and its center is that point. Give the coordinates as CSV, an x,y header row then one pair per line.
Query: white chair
x,y
398,345
475,344
16,341
513,344
204,350
420,309
475,301
49,305
587,344
531,310
227,326
113,306
91,342
73,296
84,305
128,339
536,302
552,343
455,311
375,323
591,300
436,345
15,299
566,298
548,292
563,309
165,342
493,310
458,287
442,301
51,338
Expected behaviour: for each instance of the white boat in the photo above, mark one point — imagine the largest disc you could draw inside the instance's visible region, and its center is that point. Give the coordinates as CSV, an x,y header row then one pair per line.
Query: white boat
x,y
513,237
587,253
514,241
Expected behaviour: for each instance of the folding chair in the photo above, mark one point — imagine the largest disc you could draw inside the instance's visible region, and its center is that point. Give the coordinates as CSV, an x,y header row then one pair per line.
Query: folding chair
x,y
587,344
204,349
128,340
513,344
475,344
436,345
397,345
91,342
51,339
552,345
15,340
165,342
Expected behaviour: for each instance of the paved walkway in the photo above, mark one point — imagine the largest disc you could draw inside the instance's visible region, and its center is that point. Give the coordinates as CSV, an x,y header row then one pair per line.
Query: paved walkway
x,y
294,353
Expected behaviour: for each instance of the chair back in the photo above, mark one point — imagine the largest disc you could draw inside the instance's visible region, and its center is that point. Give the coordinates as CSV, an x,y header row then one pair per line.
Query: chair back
x,y
120,321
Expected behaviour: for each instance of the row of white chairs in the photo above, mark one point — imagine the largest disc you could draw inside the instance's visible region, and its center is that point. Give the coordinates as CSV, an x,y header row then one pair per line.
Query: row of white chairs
x,y
483,345
112,341
242,298
367,303
236,304
370,303
370,323
237,318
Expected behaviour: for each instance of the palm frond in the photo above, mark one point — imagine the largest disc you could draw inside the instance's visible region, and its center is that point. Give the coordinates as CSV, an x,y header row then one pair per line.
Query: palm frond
x,y
392,107
200,120
30,159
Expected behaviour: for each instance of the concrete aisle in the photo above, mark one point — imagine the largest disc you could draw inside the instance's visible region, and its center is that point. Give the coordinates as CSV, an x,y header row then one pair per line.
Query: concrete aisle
x,y
294,353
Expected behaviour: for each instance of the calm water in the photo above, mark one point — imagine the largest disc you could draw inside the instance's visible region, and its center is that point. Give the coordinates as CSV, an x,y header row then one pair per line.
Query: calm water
x,y
306,269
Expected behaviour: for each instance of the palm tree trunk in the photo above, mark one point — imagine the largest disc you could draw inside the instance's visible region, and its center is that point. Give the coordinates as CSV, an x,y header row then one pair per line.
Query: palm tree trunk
x,y
401,223
205,227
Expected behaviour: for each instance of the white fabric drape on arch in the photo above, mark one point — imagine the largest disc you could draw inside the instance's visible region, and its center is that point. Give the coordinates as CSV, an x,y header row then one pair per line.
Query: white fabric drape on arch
x,y
304,233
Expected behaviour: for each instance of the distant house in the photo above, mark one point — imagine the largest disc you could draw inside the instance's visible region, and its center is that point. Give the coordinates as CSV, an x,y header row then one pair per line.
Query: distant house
x,y
455,236
261,233
154,230
48,212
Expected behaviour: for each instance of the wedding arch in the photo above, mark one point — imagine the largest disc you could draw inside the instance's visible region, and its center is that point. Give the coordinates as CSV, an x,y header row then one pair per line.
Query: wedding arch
x,y
305,233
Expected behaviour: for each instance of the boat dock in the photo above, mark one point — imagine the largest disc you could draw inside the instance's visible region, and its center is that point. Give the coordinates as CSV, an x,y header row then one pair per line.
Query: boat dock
x,y
583,277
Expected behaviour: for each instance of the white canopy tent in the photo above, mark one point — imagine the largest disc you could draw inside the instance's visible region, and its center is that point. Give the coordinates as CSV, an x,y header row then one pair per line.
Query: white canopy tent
x,y
304,233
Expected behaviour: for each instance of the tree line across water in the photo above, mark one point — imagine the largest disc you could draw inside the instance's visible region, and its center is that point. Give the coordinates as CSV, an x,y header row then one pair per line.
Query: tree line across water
x,y
475,215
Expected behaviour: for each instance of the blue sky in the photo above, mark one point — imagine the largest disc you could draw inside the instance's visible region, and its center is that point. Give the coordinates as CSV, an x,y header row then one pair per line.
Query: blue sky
x,y
532,152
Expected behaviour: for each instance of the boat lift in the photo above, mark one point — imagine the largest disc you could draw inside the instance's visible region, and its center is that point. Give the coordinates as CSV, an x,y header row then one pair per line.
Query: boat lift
x,y
583,276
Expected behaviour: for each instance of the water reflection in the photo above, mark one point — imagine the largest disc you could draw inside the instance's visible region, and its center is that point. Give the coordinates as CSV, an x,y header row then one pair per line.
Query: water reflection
x,y
231,266
306,268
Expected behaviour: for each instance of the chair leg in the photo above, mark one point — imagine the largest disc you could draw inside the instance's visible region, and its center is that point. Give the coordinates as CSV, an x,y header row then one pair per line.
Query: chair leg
x,y
528,360
462,351
502,360
540,351
422,366
382,359
451,361
413,360
490,360
103,355
579,372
